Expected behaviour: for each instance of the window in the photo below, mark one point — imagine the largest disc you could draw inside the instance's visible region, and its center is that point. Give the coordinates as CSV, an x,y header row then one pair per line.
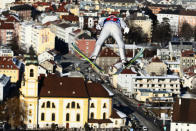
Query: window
x,y
78,106
116,122
43,105
48,104
92,105
104,115
104,105
53,116
68,105
78,117
92,115
67,117
31,73
53,106
42,116
73,105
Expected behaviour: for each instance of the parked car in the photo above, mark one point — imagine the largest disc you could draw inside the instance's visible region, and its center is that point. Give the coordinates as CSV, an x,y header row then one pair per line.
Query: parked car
x,y
145,128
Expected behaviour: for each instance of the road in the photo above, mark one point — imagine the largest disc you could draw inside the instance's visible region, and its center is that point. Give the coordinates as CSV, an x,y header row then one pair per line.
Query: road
x,y
140,115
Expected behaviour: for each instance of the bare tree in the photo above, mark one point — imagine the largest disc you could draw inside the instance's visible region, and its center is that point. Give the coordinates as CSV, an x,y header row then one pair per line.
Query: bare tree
x,y
186,31
15,112
162,33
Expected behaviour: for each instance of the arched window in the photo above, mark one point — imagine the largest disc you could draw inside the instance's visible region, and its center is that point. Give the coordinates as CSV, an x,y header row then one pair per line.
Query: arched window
x,y
68,105
104,115
67,117
42,116
104,105
92,115
92,105
78,117
31,73
43,105
73,105
53,105
78,106
53,116
48,104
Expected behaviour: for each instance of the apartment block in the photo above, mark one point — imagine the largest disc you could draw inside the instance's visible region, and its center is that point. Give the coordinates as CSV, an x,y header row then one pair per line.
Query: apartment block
x,y
38,36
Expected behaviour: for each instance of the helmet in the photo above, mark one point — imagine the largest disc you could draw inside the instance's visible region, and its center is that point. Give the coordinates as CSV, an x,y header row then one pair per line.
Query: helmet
x,y
112,16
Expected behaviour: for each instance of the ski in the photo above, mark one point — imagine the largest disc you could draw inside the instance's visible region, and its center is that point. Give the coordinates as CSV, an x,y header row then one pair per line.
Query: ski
x,y
76,49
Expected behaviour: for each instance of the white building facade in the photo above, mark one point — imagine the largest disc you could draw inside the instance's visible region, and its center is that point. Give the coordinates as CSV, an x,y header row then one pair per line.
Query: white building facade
x,y
173,21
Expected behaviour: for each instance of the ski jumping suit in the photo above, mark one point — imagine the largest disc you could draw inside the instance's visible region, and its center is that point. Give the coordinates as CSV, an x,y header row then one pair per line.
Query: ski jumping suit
x,y
111,27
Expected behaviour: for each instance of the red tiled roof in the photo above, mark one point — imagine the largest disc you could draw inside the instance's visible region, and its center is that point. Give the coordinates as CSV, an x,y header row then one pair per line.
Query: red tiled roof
x,y
107,52
127,71
70,18
100,121
188,12
114,114
129,53
11,19
184,112
77,31
61,9
42,3
54,86
7,63
188,53
96,90
9,26
49,8
156,59
190,69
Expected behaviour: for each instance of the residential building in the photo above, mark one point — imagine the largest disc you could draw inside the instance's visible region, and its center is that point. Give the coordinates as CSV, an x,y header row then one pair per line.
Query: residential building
x,y
188,16
47,55
169,83
173,18
148,95
7,32
182,45
34,1
64,31
143,21
38,36
156,8
156,67
125,81
10,68
3,3
23,11
183,117
4,86
174,66
6,52
86,45
107,58
48,17
187,59
189,77
71,104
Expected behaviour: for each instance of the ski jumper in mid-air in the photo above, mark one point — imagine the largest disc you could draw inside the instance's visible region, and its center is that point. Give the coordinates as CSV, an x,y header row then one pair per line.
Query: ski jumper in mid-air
x,y
111,27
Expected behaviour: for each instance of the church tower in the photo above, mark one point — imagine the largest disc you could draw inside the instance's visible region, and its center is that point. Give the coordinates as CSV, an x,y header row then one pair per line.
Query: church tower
x,y
29,90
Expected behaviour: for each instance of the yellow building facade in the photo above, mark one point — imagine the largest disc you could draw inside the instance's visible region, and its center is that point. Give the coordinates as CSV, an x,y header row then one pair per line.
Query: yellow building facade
x,y
42,39
8,68
63,101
